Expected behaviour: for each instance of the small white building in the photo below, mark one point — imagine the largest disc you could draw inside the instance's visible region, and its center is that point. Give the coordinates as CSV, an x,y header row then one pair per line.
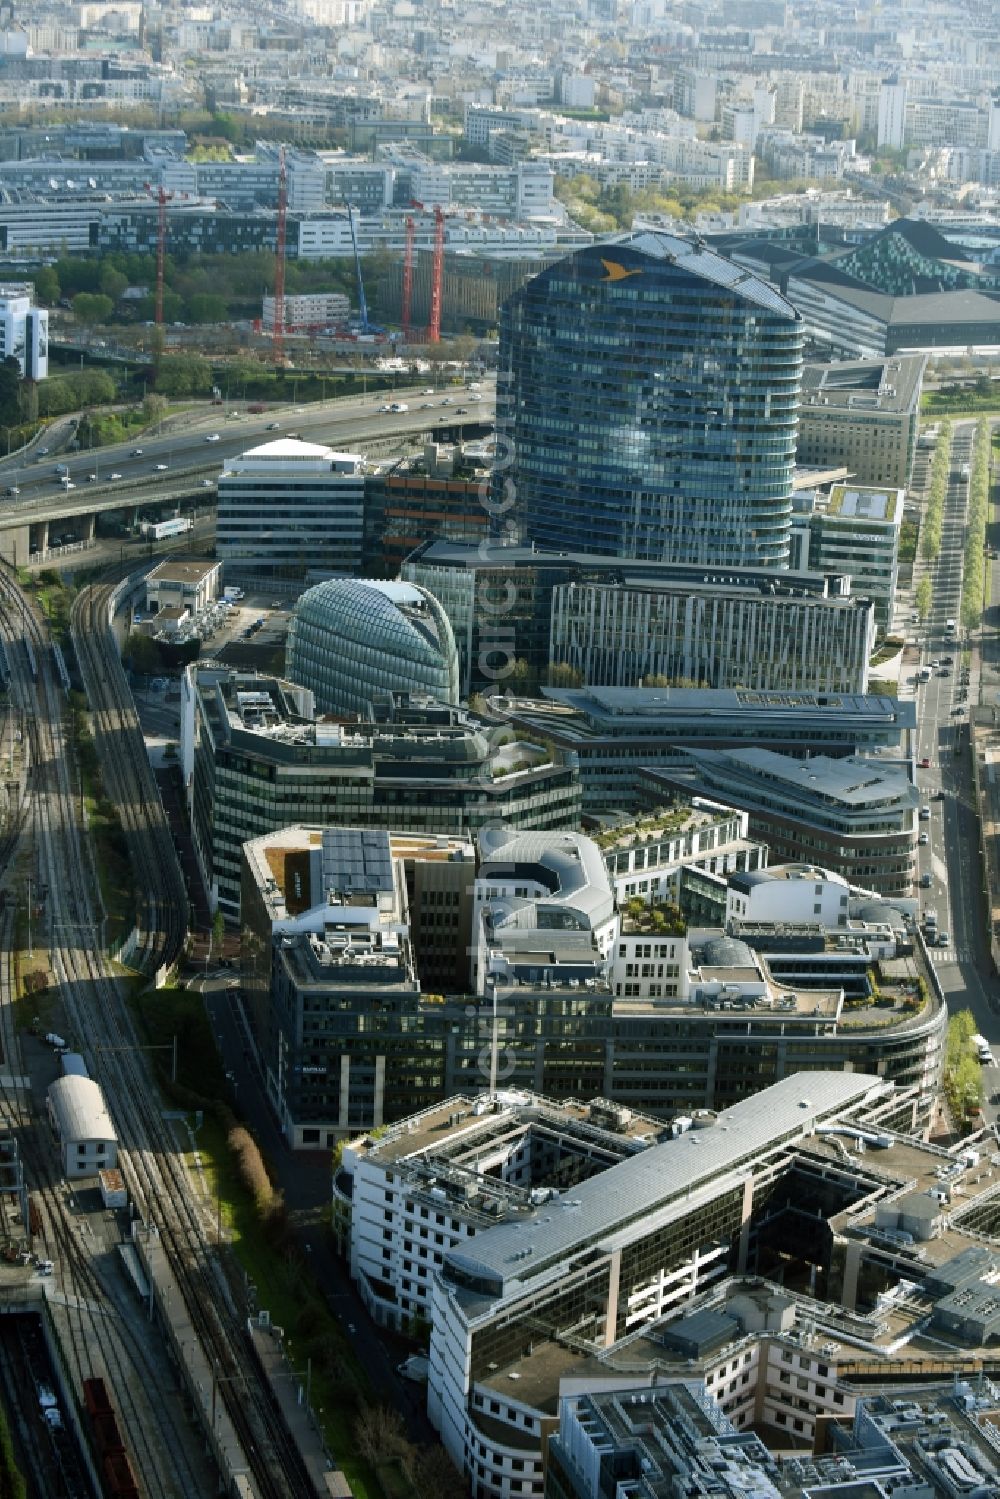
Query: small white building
x,y
79,1116
308,310
190,585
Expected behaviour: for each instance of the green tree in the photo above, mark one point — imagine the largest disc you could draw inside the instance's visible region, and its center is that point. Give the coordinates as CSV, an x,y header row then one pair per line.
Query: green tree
x,y
184,375
92,308
112,282
207,307
47,288
142,653
10,390
924,597
153,408
561,674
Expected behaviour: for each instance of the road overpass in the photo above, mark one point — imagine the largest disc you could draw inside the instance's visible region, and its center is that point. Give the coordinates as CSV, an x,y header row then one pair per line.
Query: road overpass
x,y
159,471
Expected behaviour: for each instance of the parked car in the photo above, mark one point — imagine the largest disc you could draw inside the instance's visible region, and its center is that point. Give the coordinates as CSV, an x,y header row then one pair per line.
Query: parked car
x,y
924,839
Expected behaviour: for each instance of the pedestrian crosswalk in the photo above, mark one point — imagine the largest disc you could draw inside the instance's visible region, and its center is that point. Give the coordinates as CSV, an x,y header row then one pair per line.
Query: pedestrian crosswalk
x,y
951,955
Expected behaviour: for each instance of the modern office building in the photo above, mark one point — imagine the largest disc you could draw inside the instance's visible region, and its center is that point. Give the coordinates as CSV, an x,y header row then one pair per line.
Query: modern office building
x,y
712,634
742,1357
855,530
406,505
353,640
607,622
649,389
683,854
540,986
855,815
863,414
530,886
431,1172
615,734
798,1245
24,331
255,757
291,510
330,975
572,1277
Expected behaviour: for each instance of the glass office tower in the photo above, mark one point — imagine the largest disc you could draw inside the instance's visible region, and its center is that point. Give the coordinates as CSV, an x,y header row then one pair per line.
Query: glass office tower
x,y
647,397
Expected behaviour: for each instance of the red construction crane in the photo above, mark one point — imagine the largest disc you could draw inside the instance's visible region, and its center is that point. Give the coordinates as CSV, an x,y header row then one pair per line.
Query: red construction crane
x,y
411,230
162,199
437,277
278,339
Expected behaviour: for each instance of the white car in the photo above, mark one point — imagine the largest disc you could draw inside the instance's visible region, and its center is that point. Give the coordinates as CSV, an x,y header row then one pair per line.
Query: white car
x,y
161,468
213,437
206,484
114,476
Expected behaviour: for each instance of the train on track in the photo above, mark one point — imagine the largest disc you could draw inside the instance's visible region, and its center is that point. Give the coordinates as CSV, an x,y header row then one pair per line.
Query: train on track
x,y
117,1477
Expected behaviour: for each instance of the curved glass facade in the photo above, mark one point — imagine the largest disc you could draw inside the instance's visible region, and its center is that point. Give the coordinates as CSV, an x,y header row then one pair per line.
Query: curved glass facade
x,y
648,396
351,639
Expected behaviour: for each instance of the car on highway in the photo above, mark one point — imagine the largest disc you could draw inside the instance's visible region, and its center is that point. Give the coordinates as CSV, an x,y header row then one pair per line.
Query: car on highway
x,y
925,813
944,939
924,839
91,478
114,476
925,881
136,453
206,484
161,468
274,426
461,410
13,489
42,452
385,406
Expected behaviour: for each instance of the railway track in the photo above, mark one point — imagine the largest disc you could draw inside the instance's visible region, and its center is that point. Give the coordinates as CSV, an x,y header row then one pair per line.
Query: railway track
x,y
162,904
94,1001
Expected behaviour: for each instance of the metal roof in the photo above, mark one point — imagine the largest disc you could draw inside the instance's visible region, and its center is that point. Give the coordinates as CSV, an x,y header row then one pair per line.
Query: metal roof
x,y
574,862
618,1206
698,260
79,1111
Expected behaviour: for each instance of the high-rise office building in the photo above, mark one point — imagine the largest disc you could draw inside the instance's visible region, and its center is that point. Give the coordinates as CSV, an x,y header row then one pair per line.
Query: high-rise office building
x,y
24,331
291,510
651,392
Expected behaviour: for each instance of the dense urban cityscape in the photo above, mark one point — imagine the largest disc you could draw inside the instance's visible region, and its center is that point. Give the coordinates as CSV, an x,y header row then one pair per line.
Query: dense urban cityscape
x,y
500,687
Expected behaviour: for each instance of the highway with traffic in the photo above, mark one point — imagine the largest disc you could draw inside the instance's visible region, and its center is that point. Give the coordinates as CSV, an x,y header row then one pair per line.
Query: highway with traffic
x,y
193,448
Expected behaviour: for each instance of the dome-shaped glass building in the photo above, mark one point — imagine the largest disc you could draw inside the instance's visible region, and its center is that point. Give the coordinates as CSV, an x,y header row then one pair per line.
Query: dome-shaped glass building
x,y
352,639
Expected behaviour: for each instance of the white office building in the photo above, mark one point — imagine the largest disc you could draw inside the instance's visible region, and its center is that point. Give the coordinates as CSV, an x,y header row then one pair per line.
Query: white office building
x,y
291,510
24,331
